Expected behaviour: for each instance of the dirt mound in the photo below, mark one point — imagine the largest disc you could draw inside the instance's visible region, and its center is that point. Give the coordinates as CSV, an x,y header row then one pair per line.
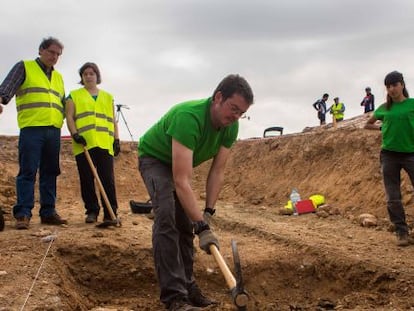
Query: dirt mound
x,y
307,262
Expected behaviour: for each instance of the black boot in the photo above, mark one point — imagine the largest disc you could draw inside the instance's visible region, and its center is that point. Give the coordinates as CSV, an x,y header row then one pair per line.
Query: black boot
x,y
197,298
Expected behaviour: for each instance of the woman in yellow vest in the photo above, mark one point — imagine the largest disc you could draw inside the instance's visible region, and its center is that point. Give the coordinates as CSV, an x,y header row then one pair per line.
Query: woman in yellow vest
x,y
91,122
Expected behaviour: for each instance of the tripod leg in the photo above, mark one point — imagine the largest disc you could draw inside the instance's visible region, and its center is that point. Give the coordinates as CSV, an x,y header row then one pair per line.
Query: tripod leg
x,y
126,124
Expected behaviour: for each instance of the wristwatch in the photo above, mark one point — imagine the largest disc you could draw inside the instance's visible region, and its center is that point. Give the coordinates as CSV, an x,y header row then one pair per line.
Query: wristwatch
x,y
200,226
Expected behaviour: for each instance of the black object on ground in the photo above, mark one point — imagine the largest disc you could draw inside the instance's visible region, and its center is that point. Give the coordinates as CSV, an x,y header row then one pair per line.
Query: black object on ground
x,y
140,207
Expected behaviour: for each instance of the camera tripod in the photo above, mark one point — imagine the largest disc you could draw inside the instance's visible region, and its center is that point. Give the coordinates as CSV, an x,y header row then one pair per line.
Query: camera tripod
x,y
120,113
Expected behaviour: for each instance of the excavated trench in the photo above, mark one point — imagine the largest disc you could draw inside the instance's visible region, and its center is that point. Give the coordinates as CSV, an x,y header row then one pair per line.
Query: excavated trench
x,y
285,275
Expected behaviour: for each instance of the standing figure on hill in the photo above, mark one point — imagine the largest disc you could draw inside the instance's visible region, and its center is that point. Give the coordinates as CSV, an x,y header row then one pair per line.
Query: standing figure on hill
x,y
368,101
337,109
168,152
397,149
40,96
91,122
320,106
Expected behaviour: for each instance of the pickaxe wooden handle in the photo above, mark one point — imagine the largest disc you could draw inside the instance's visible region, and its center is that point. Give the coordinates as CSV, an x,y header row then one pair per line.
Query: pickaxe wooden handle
x,y
100,186
240,297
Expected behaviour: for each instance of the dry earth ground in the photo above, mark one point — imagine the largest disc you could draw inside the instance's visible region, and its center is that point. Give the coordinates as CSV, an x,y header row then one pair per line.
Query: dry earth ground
x,y
308,262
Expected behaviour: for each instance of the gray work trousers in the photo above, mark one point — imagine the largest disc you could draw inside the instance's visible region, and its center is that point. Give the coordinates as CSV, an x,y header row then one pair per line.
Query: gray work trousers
x,y
172,232
392,163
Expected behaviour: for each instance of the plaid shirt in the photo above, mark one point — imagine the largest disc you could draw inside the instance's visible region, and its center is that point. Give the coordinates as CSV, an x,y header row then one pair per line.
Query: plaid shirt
x,y
15,79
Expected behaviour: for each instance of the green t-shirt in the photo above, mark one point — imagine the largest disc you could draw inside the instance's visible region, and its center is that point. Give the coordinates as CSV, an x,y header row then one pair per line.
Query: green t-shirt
x,y
397,126
190,124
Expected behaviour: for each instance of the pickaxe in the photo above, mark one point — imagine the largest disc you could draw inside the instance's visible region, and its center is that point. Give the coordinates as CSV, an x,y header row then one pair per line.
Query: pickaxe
x,y
239,295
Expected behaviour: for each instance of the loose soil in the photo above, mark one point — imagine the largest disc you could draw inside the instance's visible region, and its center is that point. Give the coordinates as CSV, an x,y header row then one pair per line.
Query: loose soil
x,y
318,261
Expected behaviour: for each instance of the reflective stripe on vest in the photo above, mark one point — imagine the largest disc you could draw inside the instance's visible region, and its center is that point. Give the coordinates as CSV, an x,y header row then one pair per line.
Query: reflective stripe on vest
x,y
94,120
38,100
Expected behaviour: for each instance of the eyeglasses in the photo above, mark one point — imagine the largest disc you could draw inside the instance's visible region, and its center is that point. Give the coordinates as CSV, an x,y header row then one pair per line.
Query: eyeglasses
x,y
54,52
236,110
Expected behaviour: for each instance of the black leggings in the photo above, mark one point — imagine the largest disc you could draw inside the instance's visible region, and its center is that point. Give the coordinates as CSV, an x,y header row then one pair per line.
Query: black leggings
x,y
104,164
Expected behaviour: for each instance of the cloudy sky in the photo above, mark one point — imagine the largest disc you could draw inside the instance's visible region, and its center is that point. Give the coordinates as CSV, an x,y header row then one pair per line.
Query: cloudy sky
x,y
155,53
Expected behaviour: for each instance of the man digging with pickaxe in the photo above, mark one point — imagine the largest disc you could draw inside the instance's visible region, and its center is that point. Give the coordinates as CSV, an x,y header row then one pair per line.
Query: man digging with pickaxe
x,y
189,134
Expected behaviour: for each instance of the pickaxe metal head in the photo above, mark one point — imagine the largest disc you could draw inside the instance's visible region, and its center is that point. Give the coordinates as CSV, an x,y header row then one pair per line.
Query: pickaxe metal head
x,y
240,296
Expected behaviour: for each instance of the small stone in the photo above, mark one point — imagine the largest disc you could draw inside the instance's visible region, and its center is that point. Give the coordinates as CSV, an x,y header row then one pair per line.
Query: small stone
x,y
98,235
210,270
367,220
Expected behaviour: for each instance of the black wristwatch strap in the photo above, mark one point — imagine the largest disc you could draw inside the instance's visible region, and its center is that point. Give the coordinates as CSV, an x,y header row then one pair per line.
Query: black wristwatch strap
x,y
200,226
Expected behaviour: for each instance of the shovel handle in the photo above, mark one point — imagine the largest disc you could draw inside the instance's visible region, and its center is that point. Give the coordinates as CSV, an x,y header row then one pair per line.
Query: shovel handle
x,y
230,280
100,186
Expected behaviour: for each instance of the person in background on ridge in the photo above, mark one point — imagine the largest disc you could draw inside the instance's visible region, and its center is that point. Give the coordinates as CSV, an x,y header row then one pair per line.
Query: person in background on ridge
x,y
40,96
168,152
337,109
320,106
91,122
368,101
397,149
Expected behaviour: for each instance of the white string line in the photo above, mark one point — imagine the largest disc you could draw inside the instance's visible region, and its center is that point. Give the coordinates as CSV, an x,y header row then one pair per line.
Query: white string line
x,y
38,270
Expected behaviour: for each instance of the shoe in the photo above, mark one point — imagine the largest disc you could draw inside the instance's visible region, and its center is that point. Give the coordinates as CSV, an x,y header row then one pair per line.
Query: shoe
x,y
109,223
196,297
22,223
180,305
402,239
91,218
53,220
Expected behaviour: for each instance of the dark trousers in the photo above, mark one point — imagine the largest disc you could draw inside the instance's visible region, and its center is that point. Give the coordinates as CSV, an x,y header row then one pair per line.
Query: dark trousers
x,y
38,150
104,164
391,164
321,117
172,232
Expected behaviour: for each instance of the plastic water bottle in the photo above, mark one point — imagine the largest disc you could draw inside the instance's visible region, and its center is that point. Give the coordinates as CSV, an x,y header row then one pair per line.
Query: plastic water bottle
x,y
294,198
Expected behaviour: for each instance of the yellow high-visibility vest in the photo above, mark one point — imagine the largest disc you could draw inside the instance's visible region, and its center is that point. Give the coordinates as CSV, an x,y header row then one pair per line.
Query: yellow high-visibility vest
x,y
336,110
94,120
38,99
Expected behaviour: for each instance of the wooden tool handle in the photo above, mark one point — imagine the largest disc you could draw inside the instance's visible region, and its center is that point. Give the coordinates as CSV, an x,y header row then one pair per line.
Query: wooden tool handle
x,y
231,281
100,186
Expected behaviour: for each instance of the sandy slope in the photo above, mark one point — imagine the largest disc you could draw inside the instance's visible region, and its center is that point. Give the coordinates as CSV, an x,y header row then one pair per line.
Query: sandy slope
x,y
309,262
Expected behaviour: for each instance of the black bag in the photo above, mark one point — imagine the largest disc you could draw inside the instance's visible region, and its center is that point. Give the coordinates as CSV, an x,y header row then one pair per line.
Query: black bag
x,y
140,207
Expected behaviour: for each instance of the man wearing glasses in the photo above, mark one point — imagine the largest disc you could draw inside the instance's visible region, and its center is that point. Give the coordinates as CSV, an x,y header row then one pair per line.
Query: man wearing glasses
x,y
187,135
40,94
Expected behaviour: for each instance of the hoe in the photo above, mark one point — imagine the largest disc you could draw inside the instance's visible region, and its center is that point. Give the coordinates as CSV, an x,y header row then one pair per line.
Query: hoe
x,y
235,284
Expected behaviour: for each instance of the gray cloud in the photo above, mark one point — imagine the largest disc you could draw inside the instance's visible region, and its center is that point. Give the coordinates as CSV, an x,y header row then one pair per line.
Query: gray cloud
x,y
153,54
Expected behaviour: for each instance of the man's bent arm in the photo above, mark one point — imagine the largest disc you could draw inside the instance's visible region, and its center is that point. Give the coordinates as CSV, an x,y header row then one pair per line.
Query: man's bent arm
x,y
182,168
12,82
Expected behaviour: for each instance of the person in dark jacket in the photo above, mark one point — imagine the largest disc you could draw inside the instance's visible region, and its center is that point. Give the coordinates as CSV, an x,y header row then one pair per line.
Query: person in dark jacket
x,y
320,106
368,101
